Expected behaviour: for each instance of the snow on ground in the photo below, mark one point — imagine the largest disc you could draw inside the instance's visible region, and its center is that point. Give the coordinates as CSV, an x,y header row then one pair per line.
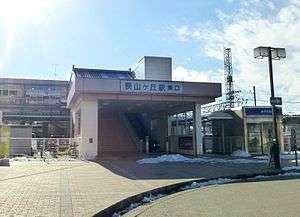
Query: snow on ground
x,y
209,182
38,159
262,157
151,198
240,153
220,181
289,168
181,158
132,206
284,156
291,152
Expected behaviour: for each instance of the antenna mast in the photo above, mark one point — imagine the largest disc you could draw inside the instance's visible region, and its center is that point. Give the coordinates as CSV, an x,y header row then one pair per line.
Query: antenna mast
x,y
229,91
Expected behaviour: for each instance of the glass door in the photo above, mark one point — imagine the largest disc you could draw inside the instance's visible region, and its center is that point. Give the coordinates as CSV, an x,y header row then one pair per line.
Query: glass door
x,y
254,138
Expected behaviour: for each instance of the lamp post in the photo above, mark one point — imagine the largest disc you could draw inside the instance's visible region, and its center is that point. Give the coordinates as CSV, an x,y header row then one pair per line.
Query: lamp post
x,y
276,54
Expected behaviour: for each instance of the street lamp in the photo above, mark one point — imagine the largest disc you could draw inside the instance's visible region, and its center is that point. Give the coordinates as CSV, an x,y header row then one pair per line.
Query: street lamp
x,y
272,54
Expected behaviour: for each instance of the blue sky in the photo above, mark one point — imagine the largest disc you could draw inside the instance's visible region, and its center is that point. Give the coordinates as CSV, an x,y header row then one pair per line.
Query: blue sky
x,y
105,34
43,39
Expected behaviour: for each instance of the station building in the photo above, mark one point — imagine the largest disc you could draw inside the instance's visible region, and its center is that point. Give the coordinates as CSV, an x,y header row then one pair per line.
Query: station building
x,y
128,112
39,104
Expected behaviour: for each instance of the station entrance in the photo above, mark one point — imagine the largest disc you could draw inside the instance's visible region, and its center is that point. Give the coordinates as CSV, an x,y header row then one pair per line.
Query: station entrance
x,y
130,127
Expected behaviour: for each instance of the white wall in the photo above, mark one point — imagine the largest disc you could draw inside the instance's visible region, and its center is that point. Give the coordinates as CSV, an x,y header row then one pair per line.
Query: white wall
x,y
158,68
89,129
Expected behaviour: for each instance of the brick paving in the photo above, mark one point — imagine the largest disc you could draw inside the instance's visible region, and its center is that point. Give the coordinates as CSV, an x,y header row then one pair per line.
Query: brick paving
x,y
82,188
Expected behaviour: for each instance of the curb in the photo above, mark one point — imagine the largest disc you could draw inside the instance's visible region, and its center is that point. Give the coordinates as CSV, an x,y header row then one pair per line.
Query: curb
x,y
170,189
4,162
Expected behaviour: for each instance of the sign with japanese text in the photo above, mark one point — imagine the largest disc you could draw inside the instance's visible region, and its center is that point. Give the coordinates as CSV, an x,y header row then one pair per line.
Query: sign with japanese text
x,y
261,111
151,87
276,101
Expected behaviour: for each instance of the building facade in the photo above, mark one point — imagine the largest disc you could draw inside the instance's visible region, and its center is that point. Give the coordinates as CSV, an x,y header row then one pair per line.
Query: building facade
x,y
291,122
40,104
113,113
248,128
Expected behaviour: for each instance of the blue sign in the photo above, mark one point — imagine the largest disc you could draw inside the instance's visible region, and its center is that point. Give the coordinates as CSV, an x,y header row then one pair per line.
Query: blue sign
x,y
150,86
261,111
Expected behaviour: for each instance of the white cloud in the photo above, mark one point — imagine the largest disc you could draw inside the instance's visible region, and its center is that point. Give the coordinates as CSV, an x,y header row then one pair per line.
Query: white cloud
x,y
248,28
182,74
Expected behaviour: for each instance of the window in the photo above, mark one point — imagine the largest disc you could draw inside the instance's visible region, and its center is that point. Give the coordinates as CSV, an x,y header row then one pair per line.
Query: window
x,y
13,93
5,92
182,124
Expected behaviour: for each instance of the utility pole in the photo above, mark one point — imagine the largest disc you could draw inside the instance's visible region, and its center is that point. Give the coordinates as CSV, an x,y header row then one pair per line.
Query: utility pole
x,y
275,133
277,54
254,95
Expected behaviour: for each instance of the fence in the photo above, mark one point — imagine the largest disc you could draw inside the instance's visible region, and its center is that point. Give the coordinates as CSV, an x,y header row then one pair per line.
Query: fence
x,y
52,147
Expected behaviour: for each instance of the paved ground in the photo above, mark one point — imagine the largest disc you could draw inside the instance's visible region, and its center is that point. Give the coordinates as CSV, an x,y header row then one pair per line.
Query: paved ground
x,y
276,198
80,188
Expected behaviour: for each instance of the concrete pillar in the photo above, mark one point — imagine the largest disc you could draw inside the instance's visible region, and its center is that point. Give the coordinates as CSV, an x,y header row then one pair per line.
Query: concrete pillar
x,y
89,129
198,143
168,144
245,135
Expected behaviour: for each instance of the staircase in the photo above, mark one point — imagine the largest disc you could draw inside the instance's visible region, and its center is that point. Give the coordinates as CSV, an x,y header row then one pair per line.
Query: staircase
x,y
114,136
138,125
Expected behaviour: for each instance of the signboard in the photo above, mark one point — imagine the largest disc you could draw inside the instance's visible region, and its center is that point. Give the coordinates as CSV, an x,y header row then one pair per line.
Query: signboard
x,y
276,101
185,142
261,111
162,87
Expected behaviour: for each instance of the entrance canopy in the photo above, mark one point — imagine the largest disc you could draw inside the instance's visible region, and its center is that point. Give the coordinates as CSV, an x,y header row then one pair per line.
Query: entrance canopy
x,y
125,88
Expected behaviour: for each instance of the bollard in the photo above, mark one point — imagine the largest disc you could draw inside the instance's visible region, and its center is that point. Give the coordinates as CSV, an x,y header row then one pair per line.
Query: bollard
x,y
147,144
167,147
293,143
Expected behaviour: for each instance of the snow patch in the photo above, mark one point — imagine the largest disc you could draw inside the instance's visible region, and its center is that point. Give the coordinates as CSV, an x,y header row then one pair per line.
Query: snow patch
x,y
38,159
151,198
165,158
240,153
210,182
284,156
290,168
181,158
132,206
291,152
262,157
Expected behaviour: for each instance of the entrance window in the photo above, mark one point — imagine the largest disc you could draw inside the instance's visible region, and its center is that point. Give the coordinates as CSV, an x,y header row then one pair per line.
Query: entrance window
x,y
254,137
182,124
259,137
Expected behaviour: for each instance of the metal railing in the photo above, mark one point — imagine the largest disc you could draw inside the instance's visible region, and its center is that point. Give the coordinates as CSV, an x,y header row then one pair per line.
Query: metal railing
x,y
44,147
